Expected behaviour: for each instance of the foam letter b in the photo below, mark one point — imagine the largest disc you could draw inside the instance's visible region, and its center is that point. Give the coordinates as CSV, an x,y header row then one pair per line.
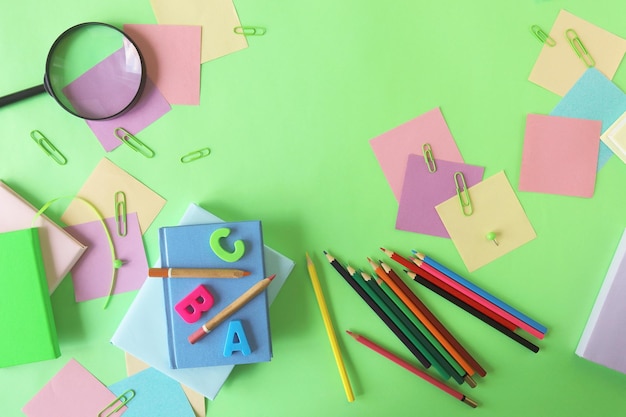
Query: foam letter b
x,y
194,304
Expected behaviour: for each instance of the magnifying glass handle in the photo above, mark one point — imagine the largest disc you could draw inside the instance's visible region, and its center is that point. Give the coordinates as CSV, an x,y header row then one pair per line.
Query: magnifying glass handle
x,y
21,95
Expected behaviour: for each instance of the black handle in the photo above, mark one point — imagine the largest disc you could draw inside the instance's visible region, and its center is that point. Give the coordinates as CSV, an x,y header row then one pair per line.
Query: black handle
x,y
21,95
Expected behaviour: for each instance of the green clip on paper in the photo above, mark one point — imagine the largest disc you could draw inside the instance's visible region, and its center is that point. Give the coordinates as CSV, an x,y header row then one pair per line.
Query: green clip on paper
x,y
48,147
249,30
542,36
120,213
135,144
463,193
579,48
122,400
427,150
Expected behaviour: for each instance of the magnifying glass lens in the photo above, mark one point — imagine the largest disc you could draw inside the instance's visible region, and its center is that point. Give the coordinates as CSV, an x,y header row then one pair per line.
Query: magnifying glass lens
x,y
94,71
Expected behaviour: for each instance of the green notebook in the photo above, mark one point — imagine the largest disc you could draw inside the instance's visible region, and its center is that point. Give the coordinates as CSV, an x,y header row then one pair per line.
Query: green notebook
x,y
26,319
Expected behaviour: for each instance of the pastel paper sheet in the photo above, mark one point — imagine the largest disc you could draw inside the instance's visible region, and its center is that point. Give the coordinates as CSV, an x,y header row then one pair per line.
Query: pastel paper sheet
x,y
196,400
100,188
615,137
423,190
218,18
143,331
558,67
92,273
172,57
72,392
155,395
392,147
150,107
560,155
496,209
594,97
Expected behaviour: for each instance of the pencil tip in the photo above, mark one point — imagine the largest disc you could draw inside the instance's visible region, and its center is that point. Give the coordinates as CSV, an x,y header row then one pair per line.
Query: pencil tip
x,y
271,277
325,253
246,273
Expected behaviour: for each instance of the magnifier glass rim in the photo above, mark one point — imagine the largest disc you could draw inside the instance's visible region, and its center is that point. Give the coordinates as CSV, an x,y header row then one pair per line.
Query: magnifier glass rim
x,y
62,36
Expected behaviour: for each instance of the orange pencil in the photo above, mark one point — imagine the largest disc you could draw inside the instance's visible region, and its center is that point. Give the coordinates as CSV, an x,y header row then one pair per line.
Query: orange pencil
x,y
196,273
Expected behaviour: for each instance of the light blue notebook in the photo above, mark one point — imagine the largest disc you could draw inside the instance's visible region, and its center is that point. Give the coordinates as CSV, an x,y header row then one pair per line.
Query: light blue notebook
x,y
143,330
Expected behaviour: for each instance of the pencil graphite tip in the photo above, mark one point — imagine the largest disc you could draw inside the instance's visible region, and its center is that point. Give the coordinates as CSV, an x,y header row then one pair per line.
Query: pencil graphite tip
x,y
351,334
271,277
245,273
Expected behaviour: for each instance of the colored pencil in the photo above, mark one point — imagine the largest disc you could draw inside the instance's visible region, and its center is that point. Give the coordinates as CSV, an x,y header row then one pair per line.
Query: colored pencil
x,y
541,328
328,324
242,300
511,334
368,300
411,266
430,321
382,351
478,298
196,273
405,326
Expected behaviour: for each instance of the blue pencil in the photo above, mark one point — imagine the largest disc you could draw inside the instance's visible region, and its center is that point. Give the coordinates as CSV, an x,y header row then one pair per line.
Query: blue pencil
x,y
539,327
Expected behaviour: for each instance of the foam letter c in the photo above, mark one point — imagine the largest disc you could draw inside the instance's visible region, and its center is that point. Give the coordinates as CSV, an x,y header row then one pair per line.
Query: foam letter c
x,y
223,254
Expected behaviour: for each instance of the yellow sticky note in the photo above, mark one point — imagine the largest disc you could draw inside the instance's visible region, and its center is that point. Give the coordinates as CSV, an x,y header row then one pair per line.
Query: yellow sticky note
x,y
558,67
99,189
615,137
496,209
218,18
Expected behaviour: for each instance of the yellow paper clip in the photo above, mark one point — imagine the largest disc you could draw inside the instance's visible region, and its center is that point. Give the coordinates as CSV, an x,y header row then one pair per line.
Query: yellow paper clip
x,y
134,143
120,213
249,30
579,48
428,157
461,191
195,155
122,399
542,36
48,147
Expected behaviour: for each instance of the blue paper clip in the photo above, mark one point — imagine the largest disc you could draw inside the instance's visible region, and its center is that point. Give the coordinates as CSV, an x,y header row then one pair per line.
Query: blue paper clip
x,y
463,193
428,158
134,143
579,48
123,399
195,155
48,147
120,213
249,30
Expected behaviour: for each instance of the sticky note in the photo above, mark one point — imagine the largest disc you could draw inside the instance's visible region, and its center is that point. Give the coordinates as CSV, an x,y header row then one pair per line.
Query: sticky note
x,y
495,209
423,190
558,67
393,147
92,273
560,155
615,137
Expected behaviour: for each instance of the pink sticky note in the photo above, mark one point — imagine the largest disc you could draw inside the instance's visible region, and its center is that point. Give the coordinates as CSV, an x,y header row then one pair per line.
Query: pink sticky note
x,y
423,190
393,147
150,107
72,392
172,57
560,155
92,273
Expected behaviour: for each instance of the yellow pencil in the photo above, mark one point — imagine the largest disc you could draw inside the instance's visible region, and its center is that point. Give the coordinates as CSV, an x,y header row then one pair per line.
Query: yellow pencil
x,y
329,328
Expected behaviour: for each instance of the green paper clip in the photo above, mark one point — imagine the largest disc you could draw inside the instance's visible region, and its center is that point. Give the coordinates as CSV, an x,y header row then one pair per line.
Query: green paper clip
x,y
462,191
195,155
542,36
429,158
134,143
249,30
48,147
120,213
579,48
122,399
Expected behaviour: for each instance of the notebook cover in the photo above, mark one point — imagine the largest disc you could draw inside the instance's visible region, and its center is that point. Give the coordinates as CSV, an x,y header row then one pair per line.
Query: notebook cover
x,y
60,250
30,334
603,341
188,247
143,331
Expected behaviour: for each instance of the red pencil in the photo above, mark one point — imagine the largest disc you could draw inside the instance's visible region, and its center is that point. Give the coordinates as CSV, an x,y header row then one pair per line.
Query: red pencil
x,y
378,349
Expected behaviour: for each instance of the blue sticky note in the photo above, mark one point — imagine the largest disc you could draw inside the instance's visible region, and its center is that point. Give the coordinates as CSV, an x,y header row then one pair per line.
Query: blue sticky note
x,y
155,395
594,97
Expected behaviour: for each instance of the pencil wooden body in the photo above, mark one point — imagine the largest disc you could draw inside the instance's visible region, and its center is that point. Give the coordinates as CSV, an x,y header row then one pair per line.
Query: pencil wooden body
x,y
399,361
390,324
242,300
330,331
196,273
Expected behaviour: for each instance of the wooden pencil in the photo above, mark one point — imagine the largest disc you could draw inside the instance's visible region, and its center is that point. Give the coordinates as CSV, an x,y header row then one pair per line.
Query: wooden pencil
x,y
488,320
230,309
368,300
399,361
196,273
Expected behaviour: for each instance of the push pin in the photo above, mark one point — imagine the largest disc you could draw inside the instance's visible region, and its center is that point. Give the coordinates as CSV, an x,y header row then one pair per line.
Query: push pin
x,y
492,236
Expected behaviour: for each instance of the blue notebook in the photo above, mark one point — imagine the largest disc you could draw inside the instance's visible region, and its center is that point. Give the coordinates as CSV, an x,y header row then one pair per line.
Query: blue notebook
x,y
189,247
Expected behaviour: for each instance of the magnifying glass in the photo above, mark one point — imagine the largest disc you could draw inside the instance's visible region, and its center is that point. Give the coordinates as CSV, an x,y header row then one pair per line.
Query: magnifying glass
x,y
93,70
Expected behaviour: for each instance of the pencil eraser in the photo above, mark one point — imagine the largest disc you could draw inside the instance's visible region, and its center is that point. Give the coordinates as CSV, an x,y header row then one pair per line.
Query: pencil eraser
x,y
197,335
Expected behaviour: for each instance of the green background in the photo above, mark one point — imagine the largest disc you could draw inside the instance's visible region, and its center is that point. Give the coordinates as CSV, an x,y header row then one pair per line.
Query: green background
x,y
289,121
